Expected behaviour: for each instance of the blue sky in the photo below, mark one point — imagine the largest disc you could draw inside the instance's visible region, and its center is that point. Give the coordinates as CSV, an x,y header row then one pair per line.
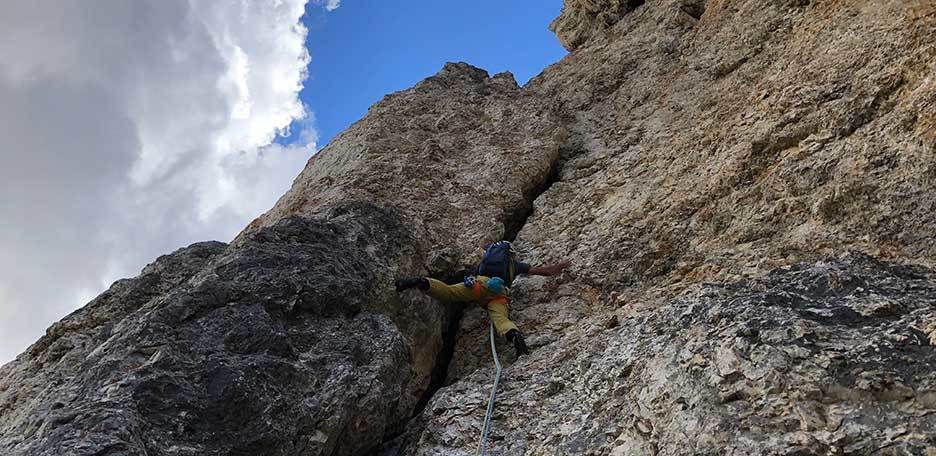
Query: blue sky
x,y
366,49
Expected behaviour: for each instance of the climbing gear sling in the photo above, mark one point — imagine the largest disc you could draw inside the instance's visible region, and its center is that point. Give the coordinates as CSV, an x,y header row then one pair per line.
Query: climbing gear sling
x,y
476,288
486,427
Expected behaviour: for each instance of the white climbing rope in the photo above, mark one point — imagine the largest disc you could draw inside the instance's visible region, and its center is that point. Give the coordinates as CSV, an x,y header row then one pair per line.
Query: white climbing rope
x,y
486,428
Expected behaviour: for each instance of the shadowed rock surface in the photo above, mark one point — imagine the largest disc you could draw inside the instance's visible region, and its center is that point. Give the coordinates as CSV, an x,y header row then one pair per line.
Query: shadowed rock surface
x,y
745,188
264,348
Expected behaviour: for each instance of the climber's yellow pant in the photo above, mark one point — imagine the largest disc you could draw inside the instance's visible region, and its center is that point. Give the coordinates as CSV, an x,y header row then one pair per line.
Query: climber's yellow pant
x,y
497,312
496,304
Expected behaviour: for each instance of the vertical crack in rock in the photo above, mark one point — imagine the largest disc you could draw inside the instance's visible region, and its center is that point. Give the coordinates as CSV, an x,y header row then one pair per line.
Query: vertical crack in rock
x,y
517,218
444,358
515,221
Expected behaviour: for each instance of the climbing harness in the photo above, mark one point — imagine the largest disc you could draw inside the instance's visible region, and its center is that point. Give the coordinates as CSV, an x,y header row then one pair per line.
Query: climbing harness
x,y
486,427
502,292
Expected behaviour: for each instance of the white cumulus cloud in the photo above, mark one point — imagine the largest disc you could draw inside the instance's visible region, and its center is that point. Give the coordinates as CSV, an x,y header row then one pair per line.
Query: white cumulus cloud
x,y
131,128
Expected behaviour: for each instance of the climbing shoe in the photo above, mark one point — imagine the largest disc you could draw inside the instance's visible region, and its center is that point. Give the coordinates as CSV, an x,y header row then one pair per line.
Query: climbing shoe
x,y
519,344
411,282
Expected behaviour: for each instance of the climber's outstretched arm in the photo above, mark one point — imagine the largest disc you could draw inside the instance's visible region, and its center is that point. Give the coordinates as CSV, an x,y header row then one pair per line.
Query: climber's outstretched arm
x,y
551,270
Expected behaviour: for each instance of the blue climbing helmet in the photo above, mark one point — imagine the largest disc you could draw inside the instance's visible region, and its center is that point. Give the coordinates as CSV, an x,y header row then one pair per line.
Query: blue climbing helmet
x,y
498,261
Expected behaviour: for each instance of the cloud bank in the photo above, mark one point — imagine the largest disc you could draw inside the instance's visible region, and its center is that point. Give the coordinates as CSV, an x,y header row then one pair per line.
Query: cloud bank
x,y
131,128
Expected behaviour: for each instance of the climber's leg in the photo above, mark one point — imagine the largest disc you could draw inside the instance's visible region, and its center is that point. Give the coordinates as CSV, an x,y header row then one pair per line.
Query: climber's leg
x,y
497,312
450,293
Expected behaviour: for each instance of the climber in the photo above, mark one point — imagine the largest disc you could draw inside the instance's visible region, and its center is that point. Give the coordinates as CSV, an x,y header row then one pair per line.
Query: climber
x,y
489,286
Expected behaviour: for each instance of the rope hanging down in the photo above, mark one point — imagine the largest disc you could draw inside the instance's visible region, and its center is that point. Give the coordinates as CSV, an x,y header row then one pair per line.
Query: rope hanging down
x,y
486,428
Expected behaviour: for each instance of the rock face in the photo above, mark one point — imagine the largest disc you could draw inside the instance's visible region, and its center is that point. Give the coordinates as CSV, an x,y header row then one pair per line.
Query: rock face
x,y
583,20
758,134
263,348
748,143
746,191
461,155
825,358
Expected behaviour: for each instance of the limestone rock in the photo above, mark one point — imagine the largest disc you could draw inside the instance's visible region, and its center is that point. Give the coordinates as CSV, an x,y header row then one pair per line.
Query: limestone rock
x,y
461,156
762,134
746,190
581,20
797,368
722,142
261,348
